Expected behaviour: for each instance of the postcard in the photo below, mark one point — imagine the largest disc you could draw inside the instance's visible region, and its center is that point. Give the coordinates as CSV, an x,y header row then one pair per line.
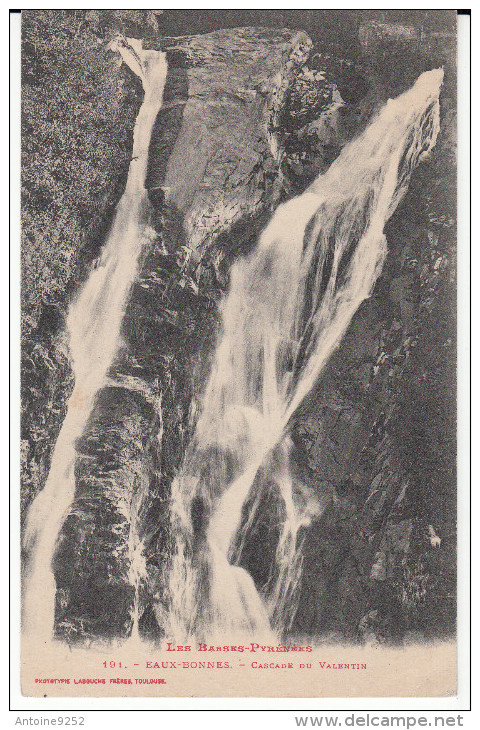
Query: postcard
x,y
238,427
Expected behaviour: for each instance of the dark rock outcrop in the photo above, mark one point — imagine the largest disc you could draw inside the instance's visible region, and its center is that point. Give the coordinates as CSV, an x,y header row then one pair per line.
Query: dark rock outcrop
x,y
225,96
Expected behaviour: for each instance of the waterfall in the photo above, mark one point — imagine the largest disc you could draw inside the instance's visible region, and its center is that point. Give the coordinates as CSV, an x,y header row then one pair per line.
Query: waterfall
x,y
289,304
93,324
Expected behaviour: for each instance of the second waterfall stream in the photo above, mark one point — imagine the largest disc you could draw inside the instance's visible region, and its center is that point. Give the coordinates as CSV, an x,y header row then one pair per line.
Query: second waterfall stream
x,y
94,322
288,306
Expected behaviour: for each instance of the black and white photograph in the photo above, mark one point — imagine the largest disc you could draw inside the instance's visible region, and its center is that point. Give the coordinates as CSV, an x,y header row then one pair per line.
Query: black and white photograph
x,y
239,353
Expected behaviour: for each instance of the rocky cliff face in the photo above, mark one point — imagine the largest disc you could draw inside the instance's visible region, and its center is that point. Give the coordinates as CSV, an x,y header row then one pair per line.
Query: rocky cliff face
x,y
250,116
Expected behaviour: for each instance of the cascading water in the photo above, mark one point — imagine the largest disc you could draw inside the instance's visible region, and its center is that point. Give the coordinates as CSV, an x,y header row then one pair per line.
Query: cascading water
x,y
94,322
288,307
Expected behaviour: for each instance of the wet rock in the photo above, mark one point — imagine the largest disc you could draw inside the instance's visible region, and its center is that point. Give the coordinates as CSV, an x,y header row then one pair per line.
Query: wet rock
x,y
99,563
379,568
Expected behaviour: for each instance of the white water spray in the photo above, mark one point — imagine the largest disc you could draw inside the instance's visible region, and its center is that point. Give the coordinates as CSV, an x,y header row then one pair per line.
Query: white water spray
x,y
93,323
289,304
